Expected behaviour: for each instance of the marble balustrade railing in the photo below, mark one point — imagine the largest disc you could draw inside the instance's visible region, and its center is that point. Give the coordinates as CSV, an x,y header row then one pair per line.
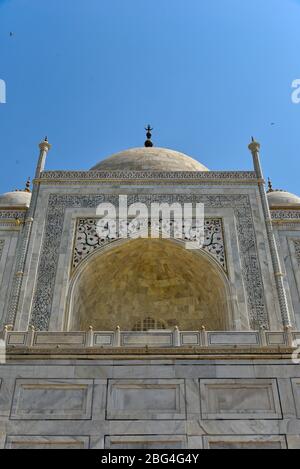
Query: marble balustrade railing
x,y
157,338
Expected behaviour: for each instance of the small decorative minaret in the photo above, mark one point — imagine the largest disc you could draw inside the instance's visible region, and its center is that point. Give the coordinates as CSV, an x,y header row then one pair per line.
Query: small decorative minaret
x,y
148,142
254,147
27,186
23,243
44,148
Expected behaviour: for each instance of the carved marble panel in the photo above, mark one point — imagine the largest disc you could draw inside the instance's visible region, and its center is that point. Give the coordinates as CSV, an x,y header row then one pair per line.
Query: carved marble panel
x,y
16,338
233,338
87,239
285,215
252,277
12,214
244,442
146,399
239,399
40,399
297,250
154,339
71,339
96,175
296,393
46,442
145,442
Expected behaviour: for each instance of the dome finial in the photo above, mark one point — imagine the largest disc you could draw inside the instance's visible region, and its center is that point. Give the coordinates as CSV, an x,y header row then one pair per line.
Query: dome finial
x,y
148,142
45,145
27,187
254,146
270,186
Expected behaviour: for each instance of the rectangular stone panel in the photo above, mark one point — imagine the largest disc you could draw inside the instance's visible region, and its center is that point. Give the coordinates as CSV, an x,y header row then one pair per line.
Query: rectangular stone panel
x,y
190,338
46,442
275,338
239,399
293,441
145,442
139,339
72,339
296,336
101,339
296,393
16,338
244,442
146,399
233,338
41,399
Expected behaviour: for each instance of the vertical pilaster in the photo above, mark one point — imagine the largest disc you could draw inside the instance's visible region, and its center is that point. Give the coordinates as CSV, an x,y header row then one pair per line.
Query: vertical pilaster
x,y
254,147
23,242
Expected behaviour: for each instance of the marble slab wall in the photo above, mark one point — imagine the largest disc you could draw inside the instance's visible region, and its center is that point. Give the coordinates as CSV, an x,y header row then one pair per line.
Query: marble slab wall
x,y
162,403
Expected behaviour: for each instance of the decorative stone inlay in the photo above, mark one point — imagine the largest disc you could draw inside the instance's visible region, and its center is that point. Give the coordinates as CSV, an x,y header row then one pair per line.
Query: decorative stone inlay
x,y
285,215
195,175
297,250
240,203
12,214
87,239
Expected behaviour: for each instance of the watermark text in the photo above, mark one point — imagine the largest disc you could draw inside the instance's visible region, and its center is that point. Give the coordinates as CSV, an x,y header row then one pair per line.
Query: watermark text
x,y
159,220
2,92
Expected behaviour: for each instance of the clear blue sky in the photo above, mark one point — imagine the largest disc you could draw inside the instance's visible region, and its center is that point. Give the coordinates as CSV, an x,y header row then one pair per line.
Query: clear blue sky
x,y
206,74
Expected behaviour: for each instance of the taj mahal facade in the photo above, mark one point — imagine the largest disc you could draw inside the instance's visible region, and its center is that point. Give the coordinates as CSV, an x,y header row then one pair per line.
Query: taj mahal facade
x,y
138,342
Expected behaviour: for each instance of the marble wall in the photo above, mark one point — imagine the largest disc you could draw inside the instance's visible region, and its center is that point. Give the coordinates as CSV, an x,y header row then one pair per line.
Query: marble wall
x,y
162,403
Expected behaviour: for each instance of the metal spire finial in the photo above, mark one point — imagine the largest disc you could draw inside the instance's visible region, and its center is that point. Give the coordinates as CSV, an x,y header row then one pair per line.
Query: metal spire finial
x,y
270,185
27,187
254,146
148,142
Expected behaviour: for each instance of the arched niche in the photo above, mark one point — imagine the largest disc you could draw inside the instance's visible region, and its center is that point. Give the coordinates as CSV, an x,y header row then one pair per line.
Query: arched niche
x,y
149,281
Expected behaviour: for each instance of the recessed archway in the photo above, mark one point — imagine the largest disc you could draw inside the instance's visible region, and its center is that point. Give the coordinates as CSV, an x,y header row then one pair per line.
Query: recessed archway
x,y
149,281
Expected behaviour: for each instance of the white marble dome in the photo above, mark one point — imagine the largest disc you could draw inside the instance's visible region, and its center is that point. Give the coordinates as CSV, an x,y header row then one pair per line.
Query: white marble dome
x,y
149,159
278,198
18,199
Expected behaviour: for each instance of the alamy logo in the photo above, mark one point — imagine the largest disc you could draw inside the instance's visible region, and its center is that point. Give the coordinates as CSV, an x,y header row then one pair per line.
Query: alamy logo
x,y
296,92
2,92
179,221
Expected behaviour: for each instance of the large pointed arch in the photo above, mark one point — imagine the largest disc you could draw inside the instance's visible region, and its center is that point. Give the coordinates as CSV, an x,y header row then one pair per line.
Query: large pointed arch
x,y
157,280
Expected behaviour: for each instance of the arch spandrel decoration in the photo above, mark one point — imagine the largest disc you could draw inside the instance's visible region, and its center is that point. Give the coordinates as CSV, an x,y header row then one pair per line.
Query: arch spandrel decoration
x,y
88,241
297,250
57,205
132,280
